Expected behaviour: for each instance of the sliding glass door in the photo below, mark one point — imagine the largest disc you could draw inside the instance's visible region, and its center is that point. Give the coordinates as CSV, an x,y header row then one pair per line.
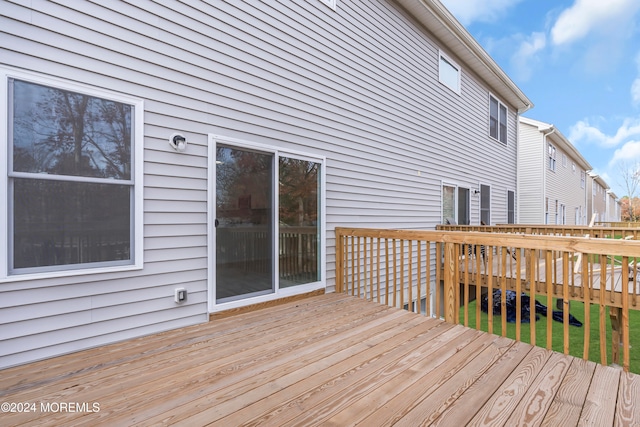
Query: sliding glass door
x,y
244,223
267,222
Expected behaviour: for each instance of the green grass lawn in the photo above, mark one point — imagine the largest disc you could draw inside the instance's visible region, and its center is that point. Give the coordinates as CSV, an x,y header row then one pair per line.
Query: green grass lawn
x,y
576,334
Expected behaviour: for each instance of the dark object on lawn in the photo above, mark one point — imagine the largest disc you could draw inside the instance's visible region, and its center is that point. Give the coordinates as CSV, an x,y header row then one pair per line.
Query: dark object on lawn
x,y
525,310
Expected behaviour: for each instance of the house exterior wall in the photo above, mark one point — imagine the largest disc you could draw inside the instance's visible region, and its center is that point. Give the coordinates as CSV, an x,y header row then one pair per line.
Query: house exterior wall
x,y
531,175
598,199
357,85
562,187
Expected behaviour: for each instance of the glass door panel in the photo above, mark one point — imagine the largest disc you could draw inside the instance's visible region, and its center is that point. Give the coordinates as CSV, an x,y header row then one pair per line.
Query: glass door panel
x,y
244,224
299,213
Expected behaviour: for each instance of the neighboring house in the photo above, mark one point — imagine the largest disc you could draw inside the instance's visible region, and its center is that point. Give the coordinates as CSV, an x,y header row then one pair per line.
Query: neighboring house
x,y
167,160
614,213
552,177
597,189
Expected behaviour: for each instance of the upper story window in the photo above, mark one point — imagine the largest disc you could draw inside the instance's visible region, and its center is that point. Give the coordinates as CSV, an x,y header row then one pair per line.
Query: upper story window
x,y
449,73
74,178
551,152
582,178
497,120
564,160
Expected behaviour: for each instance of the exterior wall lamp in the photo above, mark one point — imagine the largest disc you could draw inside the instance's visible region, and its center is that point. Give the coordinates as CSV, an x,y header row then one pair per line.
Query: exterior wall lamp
x,y
178,142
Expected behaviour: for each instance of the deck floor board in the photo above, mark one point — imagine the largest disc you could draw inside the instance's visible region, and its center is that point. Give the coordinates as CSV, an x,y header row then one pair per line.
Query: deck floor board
x,y
325,360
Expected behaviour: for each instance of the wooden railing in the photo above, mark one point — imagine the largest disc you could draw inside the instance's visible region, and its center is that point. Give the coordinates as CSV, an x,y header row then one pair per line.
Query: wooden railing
x,y
598,231
441,273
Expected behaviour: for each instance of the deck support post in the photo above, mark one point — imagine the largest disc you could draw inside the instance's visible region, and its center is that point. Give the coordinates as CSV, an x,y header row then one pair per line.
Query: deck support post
x,y
615,313
449,283
339,265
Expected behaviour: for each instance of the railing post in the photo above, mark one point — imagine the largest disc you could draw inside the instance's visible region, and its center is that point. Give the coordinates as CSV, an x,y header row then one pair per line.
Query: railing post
x,y
615,314
339,266
449,285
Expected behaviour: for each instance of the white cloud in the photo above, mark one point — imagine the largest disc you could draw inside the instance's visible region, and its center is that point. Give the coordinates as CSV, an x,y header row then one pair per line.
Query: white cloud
x,y
527,55
469,11
585,132
586,16
635,87
630,151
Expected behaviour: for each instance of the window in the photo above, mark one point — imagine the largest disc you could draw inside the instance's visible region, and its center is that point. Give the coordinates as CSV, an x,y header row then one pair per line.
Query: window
x,y
546,210
497,120
573,167
485,205
564,160
455,205
449,73
582,179
449,205
511,207
74,177
268,221
552,157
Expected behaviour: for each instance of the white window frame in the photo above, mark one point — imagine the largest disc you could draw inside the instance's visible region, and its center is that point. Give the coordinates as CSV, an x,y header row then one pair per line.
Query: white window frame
x,y
214,140
564,160
7,73
583,179
454,86
500,135
455,201
551,156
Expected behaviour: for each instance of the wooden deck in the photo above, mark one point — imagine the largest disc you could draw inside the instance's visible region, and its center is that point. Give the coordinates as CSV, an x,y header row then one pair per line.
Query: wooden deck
x,y
325,360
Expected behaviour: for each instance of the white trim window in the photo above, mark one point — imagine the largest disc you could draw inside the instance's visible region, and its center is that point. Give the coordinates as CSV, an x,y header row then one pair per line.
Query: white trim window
x,y
497,119
72,171
551,155
449,73
583,178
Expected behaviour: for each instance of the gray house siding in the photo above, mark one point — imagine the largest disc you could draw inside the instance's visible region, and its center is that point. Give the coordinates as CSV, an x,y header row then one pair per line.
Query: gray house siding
x,y
358,85
561,186
531,164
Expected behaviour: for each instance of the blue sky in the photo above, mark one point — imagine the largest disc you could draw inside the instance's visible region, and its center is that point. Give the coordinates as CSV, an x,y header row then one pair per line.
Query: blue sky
x,y
578,61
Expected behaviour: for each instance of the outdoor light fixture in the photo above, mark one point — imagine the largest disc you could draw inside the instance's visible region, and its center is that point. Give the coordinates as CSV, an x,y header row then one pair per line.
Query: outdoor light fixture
x,y
178,142
476,191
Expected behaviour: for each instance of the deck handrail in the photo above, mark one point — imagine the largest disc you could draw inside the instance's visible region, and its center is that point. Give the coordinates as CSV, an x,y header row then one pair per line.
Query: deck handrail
x,y
439,269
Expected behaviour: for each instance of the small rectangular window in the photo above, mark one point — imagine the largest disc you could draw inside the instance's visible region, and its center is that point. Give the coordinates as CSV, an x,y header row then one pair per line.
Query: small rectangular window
x,y
552,157
582,178
485,205
449,73
511,207
497,120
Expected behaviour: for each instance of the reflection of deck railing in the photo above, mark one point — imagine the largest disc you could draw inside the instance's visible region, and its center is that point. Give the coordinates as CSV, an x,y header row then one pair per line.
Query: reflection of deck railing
x,y
402,267
250,249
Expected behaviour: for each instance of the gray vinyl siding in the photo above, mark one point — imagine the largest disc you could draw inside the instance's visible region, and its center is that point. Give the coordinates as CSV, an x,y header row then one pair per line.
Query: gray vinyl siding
x,y
358,85
564,185
531,170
